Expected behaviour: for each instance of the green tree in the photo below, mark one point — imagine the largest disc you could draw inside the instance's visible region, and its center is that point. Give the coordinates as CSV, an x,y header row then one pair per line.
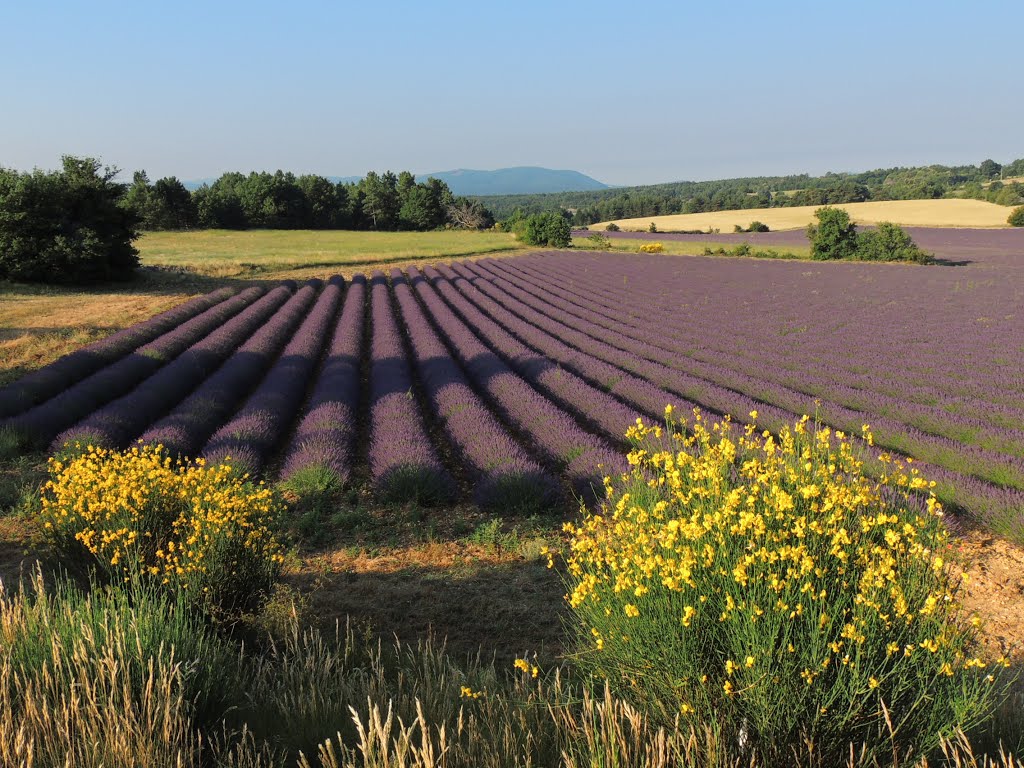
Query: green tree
x,y
68,226
889,242
220,204
380,204
990,169
545,229
323,207
1016,218
172,206
834,236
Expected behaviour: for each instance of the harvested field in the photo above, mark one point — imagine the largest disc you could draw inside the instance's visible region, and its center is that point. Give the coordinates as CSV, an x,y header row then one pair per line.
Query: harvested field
x,y
909,213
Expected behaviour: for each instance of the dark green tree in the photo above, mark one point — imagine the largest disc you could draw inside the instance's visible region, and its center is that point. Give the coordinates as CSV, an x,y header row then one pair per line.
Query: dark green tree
x,y
323,208
171,206
990,169
220,204
68,226
546,229
834,236
380,204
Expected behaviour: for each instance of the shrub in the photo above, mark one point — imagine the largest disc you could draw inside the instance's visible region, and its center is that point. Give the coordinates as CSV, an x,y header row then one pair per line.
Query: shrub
x,y
198,528
764,585
889,242
1016,218
612,227
651,248
757,226
66,226
653,228
599,242
834,236
545,229
737,229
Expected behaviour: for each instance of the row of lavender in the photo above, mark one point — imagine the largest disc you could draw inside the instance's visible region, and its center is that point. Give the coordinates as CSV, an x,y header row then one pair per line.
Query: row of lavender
x,y
588,309
270,381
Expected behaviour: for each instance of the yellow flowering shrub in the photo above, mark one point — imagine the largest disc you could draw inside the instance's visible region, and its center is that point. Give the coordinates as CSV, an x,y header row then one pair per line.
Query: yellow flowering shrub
x,y
651,248
191,526
764,584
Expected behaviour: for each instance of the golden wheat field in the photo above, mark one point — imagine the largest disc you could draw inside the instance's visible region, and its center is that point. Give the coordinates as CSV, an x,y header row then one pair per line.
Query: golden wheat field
x,y
909,213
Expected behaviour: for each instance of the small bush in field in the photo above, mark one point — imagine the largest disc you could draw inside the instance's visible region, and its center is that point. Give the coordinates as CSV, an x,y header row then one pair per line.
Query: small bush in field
x,y
612,227
889,242
765,584
598,242
1016,218
653,228
199,528
651,248
757,226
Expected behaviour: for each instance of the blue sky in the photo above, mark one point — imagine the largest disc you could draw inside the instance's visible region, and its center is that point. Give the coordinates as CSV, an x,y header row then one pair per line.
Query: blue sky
x,y
628,93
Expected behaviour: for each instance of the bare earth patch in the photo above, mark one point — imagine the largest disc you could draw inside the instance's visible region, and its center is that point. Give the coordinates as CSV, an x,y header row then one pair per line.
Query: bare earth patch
x,y
995,590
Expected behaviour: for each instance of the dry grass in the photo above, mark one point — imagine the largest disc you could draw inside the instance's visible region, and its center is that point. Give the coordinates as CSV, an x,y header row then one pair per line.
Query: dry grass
x,y
908,213
38,325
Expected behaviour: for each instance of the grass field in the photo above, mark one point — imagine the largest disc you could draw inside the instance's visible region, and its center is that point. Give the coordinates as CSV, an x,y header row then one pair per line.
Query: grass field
x,y
307,253
910,213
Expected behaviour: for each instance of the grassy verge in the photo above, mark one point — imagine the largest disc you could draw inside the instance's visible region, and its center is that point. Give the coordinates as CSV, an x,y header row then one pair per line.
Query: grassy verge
x,y
702,248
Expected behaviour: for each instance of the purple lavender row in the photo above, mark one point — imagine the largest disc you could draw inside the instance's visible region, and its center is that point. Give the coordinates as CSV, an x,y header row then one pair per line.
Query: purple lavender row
x,y
185,430
262,422
39,425
970,364
323,440
980,462
991,402
403,462
825,382
504,476
52,379
116,424
998,506
597,408
582,457
533,330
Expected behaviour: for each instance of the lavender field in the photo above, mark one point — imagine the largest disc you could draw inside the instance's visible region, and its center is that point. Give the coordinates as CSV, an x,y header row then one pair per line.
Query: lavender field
x,y
511,382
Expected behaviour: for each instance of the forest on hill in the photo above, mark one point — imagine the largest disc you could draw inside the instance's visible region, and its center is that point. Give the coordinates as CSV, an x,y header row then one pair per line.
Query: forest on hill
x,y
984,181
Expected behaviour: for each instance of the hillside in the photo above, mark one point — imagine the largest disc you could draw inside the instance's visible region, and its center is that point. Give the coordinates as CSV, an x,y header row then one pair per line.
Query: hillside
x,y
911,213
524,180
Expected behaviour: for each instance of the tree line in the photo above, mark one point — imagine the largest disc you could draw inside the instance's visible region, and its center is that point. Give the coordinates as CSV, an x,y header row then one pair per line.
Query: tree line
x,y
983,181
78,224
282,200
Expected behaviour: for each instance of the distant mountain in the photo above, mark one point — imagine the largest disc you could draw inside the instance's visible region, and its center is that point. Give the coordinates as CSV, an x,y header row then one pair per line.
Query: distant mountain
x,y
524,180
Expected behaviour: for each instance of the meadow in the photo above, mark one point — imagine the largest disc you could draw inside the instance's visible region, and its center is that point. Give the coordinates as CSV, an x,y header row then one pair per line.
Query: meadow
x,y
431,425
301,253
907,213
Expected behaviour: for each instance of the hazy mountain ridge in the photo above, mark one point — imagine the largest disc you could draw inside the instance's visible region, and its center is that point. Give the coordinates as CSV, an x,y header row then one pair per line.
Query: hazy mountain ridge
x,y
521,180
